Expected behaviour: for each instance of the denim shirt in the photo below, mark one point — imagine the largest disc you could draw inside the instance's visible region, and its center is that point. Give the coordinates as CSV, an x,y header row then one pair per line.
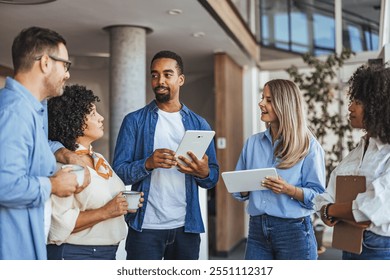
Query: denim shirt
x,y
307,174
135,144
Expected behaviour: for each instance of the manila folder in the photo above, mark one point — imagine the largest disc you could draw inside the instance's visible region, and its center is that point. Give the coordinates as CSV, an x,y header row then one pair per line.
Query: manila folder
x,y
347,236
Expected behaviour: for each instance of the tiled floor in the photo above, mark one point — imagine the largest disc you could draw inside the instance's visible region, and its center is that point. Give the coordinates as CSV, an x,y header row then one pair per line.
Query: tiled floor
x,y
236,254
239,251
329,253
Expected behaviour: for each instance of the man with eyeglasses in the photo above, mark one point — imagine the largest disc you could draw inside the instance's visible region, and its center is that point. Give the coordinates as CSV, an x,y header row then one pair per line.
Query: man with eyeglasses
x,y
66,62
27,163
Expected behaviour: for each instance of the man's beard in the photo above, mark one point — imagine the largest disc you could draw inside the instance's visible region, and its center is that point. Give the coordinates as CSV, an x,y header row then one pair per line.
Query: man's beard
x,y
162,98
53,90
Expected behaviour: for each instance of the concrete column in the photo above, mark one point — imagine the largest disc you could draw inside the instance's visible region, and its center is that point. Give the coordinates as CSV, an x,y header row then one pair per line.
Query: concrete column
x,y
384,29
127,74
338,22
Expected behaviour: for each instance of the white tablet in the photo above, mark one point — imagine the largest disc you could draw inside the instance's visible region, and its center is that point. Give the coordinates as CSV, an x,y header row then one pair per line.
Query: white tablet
x,y
196,141
247,180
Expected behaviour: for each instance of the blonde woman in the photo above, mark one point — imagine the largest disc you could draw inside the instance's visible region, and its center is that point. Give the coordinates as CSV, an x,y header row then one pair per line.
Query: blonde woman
x,y
280,226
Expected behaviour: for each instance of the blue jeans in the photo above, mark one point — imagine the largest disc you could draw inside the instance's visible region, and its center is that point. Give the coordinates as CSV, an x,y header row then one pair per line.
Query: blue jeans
x,y
272,238
170,244
81,252
375,247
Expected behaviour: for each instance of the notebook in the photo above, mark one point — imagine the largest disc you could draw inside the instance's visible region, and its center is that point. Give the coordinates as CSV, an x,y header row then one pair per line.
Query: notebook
x,y
347,236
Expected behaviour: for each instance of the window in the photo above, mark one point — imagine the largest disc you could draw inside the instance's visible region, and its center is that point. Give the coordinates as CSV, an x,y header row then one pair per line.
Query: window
x,y
309,26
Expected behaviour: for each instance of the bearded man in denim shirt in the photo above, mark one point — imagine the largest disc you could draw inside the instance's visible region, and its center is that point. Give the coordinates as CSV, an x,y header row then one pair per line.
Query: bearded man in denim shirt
x,y
169,224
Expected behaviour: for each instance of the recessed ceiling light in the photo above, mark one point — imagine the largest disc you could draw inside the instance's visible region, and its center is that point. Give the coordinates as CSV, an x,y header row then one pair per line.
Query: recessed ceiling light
x,y
175,12
26,2
198,34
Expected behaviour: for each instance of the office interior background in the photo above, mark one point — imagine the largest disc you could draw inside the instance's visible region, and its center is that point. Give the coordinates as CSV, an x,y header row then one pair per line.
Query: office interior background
x,y
230,49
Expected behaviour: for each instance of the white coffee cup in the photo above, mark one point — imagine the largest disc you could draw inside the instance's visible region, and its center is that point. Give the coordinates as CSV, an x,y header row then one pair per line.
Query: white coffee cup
x,y
132,198
78,170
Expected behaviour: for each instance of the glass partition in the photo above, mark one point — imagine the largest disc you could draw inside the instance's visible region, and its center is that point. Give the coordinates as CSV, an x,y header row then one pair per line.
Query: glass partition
x,y
309,25
361,24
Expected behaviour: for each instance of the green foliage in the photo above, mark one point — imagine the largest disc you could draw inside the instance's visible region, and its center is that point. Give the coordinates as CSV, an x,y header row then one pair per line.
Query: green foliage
x,y
320,88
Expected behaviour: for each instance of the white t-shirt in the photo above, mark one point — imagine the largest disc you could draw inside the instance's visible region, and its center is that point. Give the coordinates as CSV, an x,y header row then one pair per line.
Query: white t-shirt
x,y
166,207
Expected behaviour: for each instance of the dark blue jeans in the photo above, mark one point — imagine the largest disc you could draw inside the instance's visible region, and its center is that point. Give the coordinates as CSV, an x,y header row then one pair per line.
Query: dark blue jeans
x,y
272,238
171,244
81,252
375,247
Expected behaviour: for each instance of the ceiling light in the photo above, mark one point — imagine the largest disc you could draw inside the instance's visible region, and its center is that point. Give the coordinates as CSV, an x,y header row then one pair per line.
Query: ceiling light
x,y
198,34
174,12
25,2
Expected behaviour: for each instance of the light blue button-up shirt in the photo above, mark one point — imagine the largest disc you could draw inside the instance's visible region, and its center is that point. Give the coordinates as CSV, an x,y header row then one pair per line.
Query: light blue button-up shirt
x,y
26,161
308,174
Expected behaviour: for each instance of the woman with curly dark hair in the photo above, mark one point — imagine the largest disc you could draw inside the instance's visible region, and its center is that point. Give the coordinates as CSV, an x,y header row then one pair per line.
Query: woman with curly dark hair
x,y
369,108
90,224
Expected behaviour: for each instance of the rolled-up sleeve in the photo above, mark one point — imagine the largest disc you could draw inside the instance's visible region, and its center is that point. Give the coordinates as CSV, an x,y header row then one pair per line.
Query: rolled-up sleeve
x,y
374,204
55,146
63,219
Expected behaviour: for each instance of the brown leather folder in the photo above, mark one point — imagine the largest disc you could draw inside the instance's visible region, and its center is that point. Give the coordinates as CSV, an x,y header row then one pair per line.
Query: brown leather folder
x,y
347,236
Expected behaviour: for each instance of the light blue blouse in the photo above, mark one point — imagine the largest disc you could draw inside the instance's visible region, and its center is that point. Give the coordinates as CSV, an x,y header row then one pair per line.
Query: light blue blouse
x,y
308,174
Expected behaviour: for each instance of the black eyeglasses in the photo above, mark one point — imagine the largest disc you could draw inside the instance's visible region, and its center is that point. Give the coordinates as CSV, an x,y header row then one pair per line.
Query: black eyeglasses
x,y
67,63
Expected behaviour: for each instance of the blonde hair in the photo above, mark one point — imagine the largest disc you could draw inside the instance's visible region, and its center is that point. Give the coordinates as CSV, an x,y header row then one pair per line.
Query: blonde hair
x,y
287,102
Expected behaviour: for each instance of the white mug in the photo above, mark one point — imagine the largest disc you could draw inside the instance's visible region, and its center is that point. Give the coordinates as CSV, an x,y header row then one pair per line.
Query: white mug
x,y
132,198
78,170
